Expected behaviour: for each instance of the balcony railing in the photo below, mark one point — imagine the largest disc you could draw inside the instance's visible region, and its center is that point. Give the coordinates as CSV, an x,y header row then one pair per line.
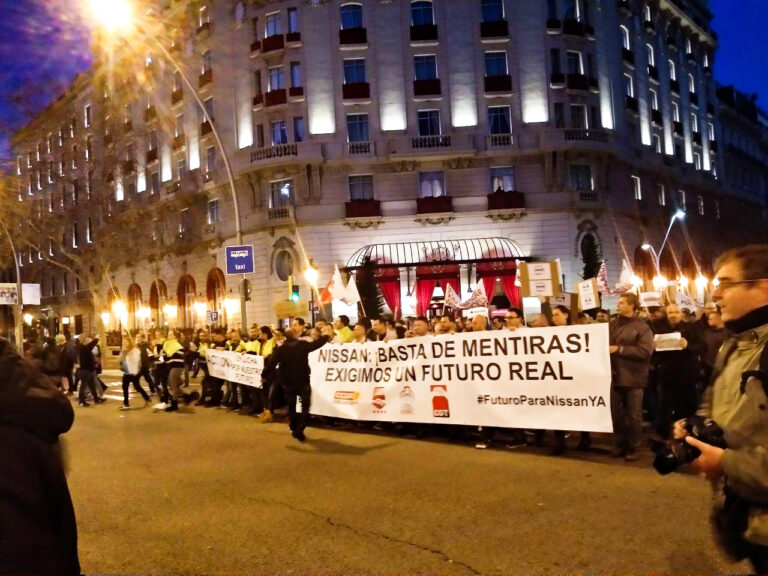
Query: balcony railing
x,y
554,26
587,195
653,73
277,151
179,142
128,167
557,80
497,29
296,92
429,87
628,56
205,128
713,146
127,127
422,142
255,47
205,78
650,28
209,231
281,214
674,85
585,135
506,200
499,140
694,98
176,96
353,36
710,109
577,82
625,7
293,38
678,128
358,148
368,208
631,104
657,118
108,139
356,91
697,138
275,97
258,100
434,205
424,33
150,114
203,28
272,43
573,27
500,83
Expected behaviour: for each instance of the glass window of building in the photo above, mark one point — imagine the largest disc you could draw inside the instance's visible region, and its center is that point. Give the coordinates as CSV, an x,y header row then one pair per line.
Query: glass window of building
x,y
295,74
710,131
656,143
493,10
87,116
575,62
672,70
422,14
499,120
661,194
178,126
154,183
181,168
431,185
691,84
653,99
629,86
257,82
694,122
651,55
700,205
208,105
571,10
210,159
697,161
675,112
637,188
89,231
204,16
298,129
581,177
206,61
279,133
293,20
357,128
425,67
281,193
184,227
647,16
177,80
496,64
625,40
273,26
503,179
681,199
579,118
429,122
361,187
351,16
354,71
212,216
276,78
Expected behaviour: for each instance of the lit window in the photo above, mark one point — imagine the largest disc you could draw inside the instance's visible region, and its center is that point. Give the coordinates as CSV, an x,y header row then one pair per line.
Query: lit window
x,y
581,177
700,204
213,212
87,116
503,179
361,187
281,193
661,194
637,188
431,185
625,42
351,16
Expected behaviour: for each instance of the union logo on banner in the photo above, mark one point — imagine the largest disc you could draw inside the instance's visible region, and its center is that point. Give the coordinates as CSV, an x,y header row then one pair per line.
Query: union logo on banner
x,y
379,399
407,398
440,408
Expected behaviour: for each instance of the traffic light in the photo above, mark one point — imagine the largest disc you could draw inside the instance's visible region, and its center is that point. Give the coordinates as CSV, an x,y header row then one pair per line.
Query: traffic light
x,y
294,293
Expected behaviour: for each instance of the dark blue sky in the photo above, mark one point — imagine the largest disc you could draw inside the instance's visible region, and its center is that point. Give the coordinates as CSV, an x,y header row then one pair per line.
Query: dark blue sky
x,y
43,45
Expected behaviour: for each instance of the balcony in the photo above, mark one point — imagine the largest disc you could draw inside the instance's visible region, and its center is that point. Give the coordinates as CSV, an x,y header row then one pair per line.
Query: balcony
x,y
577,82
258,100
152,155
272,43
650,28
205,78
631,103
585,135
694,98
573,27
358,148
275,97
710,109
353,36
498,29
674,86
176,97
356,91
128,167
554,26
434,205
656,118
281,214
625,7
594,87
691,59
179,142
587,195
210,232
429,87
500,83
150,114
707,70
677,128
296,93
204,28
425,142
628,56
653,73
510,200
277,151
363,208
127,127
293,39
671,43
424,33
499,140
255,48
696,136
713,146
557,80
205,128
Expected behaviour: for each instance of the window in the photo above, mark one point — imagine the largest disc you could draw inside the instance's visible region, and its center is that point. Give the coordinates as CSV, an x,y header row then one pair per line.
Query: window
x,y
49,140
177,80
89,231
625,43
281,193
700,204
559,115
431,185
257,82
206,61
661,195
552,9
154,183
496,64
691,84
87,116
637,188
208,105
656,143
72,126
697,160
274,26
276,79
61,137
717,210
681,199
357,128
581,177
361,187
574,62
354,71
710,131
425,67
493,10
295,74
421,14
279,134
688,46
184,222
298,129
74,235
647,13
503,179
210,159
579,118
653,99
38,151
74,157
239,13
499,120
181,168
571,10
212,216
293,21
429,122
675,112
204,16
351,16
629,85
651,55
178,125
50,172
88,148
672,70
694,123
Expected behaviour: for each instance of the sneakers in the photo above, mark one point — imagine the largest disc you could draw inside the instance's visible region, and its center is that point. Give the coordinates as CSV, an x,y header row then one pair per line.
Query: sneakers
x,y
125,407
83,404
266,417
174,406
482,445
298,435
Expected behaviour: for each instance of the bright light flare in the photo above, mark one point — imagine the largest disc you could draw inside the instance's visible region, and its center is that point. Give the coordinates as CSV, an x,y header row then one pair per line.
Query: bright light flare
x,y
105,319
200,309
636,281
112,15
311,275
231,306
660,282
170,311
28,319
701,283
683,282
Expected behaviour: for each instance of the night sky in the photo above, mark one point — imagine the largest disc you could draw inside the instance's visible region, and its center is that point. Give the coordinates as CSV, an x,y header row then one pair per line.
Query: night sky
x,y
43,46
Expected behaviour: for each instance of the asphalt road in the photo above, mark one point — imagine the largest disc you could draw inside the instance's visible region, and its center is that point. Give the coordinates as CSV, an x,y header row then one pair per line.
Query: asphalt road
x,y
203,491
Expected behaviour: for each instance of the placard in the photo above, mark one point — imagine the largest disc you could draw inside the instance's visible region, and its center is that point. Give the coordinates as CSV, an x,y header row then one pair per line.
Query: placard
x,y
235,367
539,278
589,298
651,299
667,342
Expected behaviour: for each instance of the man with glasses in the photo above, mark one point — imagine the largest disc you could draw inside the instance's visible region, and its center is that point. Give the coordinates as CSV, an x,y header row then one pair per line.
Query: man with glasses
x,y
514,319
736,400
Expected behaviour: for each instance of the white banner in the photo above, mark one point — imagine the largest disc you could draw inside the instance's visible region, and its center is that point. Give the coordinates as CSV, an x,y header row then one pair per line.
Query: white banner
x,y
235,367
30,294
550,378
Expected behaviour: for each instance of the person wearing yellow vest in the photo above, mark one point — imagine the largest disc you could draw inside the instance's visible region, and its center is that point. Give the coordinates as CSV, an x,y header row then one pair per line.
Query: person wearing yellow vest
x,y
271,386
252,346
173,353
344,334
202,363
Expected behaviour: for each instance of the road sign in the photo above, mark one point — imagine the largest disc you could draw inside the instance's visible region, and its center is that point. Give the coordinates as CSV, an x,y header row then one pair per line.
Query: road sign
x,y
239,259
213,316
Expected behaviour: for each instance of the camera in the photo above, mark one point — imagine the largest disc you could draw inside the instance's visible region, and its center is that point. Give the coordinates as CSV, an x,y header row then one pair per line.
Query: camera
x,y
677,452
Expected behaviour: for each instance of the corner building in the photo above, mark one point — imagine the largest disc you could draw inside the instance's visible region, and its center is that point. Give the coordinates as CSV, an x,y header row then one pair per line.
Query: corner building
x,y
445,139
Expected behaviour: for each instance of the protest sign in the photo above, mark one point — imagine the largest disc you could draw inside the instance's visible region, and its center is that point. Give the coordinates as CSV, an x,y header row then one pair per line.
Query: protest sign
x,y
651,299
235,367
30,294
550,378
539,278
588,294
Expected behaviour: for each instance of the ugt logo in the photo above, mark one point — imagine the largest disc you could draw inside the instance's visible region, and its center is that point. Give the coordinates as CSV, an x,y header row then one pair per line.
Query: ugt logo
x,y
440,407
379,399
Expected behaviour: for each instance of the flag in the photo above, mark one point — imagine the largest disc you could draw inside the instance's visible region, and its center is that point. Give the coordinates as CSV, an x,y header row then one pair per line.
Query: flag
x,y
351,295
478,298
625,279
325,295
336,286
602,279
451,298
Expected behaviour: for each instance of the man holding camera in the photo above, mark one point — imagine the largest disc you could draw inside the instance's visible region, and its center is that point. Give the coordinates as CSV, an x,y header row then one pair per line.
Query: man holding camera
x,y
736,400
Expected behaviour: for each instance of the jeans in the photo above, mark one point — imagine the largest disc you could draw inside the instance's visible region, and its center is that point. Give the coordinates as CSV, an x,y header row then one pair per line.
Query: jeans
x,y
175,377
129,379
627,413
87,382
148,377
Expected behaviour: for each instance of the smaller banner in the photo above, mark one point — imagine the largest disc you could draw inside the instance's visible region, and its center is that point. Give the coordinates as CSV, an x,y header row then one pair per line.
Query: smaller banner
x,y
235,367
30,294
651,299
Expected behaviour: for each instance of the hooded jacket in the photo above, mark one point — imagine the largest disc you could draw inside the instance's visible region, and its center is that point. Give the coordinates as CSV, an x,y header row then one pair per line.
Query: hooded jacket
x,y
38,533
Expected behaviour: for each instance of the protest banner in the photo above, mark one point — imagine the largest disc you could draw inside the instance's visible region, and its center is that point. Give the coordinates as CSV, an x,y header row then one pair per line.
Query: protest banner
x,y
235,367
541,378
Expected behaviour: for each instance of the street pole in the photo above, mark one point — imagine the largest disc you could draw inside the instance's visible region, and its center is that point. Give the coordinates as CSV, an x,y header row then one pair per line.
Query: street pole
x,y
312,304
19,307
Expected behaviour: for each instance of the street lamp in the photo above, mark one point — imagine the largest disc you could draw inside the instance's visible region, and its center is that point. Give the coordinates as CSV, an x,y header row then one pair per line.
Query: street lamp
x,y
678,215
116,17
310,275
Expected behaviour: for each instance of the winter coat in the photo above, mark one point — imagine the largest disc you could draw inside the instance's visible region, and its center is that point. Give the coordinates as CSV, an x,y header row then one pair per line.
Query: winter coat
x,y
38,533
679,368
293,360
86,358
631,362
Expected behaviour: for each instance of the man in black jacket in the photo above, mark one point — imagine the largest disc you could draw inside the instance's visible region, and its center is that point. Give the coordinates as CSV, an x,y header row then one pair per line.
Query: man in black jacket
x,y
88,371
292,359
38,532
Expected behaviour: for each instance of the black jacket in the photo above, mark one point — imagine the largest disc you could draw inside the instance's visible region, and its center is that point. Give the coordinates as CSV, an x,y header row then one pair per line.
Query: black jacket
x,y
85,356
679,367
293,360
38,533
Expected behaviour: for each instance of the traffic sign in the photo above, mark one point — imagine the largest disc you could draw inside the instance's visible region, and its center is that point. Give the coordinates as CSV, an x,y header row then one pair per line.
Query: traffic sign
x,y
239,259
213,316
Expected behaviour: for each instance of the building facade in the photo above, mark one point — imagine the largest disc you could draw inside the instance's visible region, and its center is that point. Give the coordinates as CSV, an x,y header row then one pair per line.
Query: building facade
x,y
558,129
